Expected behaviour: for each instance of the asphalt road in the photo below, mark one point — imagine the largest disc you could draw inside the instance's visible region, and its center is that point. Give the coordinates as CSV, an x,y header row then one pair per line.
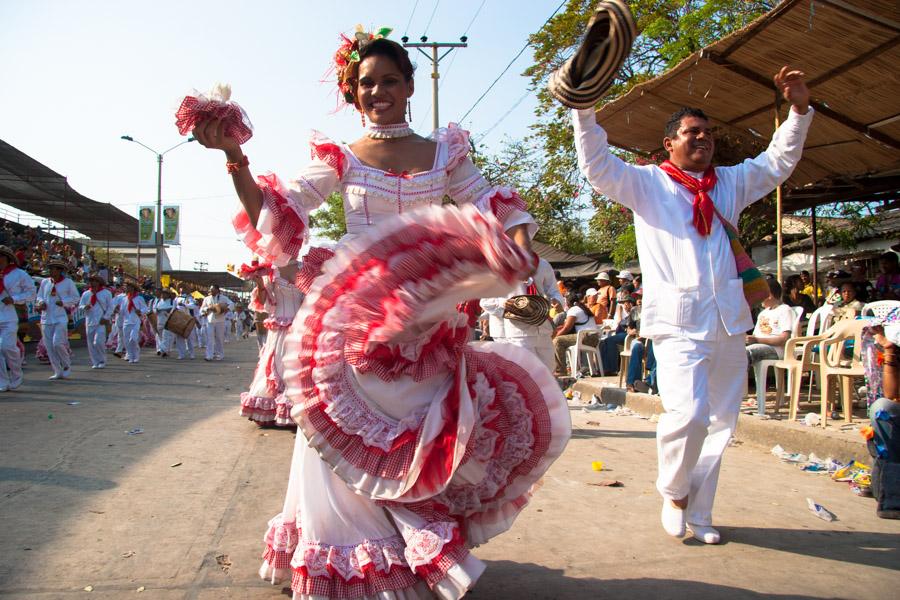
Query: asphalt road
x,y
179,510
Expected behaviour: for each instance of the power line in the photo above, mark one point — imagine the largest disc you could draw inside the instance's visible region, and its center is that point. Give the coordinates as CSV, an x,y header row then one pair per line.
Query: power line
x,y
431,18
465,34
411,15
501,119
515,58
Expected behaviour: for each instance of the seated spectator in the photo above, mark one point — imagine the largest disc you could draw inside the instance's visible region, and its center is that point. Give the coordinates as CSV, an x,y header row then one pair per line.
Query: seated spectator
x,y
808,288
578,318
849,306
887,286
626,282
865,291
590,300
627,322
833,286
884,443
557,312
773,328
794,296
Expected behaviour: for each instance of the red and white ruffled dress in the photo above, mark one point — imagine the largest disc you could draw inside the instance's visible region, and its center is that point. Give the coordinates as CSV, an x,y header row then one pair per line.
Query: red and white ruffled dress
x,y
413,445
265,402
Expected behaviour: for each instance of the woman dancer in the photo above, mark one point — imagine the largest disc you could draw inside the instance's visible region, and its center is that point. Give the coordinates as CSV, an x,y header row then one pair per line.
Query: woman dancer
x,y
413,446
277,295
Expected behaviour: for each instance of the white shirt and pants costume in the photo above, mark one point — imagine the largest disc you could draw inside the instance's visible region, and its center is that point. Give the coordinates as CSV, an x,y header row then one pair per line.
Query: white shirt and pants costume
x,y
185,346
18,286
131,326
121,300
55,321
166,339
95,331
536,338
694,308
215,328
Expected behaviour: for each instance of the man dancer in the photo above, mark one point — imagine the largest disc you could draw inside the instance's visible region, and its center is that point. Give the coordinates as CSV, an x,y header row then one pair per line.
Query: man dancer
x,y
694,308
134,307
163,307
185,346
98,305
535,338
16,287
56,296
214,309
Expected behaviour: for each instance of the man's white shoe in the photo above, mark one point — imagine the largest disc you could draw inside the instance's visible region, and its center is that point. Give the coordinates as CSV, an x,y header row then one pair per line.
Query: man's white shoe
x,y
54,376
66,374
705,533
672,519
16,383
93,366
3,388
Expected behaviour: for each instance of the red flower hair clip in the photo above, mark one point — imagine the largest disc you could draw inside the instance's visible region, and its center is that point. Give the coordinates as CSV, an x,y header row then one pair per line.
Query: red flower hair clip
x,y
348,53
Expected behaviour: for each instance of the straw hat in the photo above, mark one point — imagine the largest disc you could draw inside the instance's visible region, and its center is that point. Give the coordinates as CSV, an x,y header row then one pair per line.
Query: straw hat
x,y
57,262
602,276
583,79
97,277
6,250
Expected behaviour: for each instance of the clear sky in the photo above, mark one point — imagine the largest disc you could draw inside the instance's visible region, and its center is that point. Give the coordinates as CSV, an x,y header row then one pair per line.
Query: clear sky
x,y
79,74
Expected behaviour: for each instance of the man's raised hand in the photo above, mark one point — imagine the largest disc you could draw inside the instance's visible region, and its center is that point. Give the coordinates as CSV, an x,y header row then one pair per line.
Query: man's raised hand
x,y
793,87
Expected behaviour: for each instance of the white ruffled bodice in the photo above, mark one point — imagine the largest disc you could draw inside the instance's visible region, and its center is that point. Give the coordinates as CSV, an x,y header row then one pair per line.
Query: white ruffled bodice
x,y
287,299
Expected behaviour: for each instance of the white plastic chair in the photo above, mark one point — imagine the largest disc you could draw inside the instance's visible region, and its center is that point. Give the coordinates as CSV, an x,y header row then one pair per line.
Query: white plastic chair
x,y
819,320
879,309
581,348
761,369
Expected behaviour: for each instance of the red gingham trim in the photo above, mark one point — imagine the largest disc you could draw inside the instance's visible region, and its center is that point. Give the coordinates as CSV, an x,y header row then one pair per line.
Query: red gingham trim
x,y
398,578
330,154
193,110
289,229
503,202
311,267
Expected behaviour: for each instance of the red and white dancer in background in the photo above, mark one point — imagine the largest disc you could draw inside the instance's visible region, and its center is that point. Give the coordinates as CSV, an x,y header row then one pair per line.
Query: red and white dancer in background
x,y
276,294
56,297
534,338
16,287
413,446
133,309
694,307
98,305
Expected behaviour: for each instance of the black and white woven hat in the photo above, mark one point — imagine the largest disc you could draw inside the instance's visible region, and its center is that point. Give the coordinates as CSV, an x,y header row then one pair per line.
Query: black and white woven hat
x,y
583,79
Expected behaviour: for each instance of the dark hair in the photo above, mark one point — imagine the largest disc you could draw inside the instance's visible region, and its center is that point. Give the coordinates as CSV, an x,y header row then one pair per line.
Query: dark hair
x,y
380,47
774,288
577,299
890,257
674,121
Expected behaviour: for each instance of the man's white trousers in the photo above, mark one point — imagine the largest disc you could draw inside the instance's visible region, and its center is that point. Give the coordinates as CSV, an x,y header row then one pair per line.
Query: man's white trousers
x,y
57,343
701,384
540,346
132,334
96,343
11,371
215,340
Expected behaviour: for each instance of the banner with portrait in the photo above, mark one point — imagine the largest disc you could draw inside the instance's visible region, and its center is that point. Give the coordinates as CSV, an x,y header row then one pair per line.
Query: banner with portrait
x,y
171,218
146,225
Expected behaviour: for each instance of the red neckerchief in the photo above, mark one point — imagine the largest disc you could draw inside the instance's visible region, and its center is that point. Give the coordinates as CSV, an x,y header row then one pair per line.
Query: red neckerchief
x,y
94,293
56,281
703,204
9,269
531,290
130,297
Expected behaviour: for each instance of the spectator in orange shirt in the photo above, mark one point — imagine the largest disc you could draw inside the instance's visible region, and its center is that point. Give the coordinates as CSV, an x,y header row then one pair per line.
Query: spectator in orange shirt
x,y
606,297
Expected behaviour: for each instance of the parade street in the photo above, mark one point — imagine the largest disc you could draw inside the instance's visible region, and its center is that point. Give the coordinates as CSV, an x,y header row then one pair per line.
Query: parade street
x,y
179,510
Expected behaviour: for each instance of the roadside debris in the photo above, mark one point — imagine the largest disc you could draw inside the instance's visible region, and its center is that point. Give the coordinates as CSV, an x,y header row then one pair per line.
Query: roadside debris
x,y
820,511
223,561
597,465
135,431
607,483
177,464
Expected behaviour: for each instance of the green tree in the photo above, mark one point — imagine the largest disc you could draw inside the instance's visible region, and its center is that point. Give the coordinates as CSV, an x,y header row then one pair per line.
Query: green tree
x,y
328,220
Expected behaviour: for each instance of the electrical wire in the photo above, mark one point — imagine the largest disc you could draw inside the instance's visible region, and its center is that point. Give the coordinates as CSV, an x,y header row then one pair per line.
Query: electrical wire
x,y
503,72
431,18
411,15
501,119
465,34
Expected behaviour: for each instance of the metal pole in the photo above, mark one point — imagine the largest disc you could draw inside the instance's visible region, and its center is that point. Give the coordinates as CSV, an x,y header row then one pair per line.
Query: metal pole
x,y
435,76
159,240
108,217
815,258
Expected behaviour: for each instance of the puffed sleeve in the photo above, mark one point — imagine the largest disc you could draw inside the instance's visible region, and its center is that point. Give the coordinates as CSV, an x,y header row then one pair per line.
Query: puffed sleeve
x,y
468,185
283,223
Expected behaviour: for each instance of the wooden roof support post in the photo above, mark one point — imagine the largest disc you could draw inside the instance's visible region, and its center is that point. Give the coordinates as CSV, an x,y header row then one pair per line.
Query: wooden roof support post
x,y
779,243
815,260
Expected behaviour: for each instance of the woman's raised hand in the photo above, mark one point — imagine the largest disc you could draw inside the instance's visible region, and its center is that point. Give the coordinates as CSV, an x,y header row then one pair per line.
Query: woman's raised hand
x,y
210,134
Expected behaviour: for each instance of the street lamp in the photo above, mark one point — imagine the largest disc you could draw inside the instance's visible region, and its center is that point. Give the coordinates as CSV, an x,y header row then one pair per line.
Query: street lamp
x,y
159,236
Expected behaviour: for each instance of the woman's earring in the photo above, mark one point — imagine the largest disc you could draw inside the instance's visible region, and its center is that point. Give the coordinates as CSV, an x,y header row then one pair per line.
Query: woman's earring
x,y
362,116
409,109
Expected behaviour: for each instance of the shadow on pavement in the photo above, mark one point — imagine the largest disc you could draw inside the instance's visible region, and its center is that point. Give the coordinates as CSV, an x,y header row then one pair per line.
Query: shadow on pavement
x,y
583,434
861,547
50,477
507,580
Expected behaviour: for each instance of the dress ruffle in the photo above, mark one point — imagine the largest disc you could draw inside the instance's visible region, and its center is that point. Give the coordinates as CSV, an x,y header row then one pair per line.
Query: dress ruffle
x,y
280,230
458,146
327,151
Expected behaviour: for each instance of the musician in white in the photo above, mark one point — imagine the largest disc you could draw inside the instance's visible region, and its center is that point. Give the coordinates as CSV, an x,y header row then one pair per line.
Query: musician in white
x,y
98,305
119,301
134,307
536,338
55,298
16,287
694,307
185,303
215,307
163,307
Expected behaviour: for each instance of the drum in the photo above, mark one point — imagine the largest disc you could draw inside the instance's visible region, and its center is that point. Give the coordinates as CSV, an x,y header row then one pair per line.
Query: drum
x,y
180,323
152,318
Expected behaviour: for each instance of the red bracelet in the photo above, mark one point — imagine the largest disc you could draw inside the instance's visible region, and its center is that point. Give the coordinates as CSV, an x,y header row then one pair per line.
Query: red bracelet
x,y
234,167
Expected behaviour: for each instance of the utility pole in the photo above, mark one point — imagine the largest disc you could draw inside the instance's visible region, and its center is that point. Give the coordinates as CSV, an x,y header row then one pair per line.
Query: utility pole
x,y
435,60
200,265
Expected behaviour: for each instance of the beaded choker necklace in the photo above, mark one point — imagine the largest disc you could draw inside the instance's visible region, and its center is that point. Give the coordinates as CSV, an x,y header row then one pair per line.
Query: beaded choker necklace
x,y
389,132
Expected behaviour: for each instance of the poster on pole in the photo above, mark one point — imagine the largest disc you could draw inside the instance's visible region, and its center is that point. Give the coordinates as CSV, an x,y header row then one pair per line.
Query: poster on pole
x,y
171,224
146,225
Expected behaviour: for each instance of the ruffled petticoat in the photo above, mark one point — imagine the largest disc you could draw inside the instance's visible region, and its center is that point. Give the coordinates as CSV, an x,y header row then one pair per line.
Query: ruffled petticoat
x,y
265,401
413,445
